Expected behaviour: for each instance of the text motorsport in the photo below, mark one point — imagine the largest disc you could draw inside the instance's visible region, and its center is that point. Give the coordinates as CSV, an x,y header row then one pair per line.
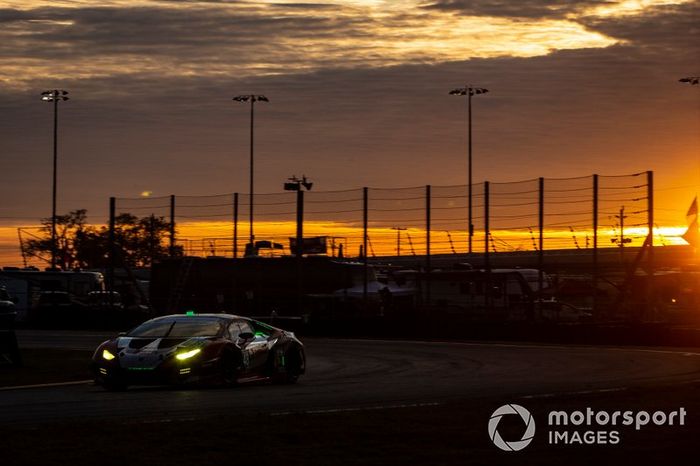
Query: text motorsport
x,y
587,427
597,424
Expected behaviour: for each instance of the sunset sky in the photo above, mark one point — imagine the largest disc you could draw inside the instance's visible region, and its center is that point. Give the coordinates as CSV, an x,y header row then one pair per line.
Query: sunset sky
x,y
358,95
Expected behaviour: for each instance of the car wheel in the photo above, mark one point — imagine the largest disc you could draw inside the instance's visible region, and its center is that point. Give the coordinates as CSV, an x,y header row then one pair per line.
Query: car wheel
x,y
228,369
289,367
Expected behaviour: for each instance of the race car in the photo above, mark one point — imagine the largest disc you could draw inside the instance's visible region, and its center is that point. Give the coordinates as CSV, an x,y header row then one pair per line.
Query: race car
x,y
191,348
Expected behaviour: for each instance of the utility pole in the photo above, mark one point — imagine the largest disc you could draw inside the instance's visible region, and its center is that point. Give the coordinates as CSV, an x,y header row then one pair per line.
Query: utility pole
x,y
398,240
452,244
621,241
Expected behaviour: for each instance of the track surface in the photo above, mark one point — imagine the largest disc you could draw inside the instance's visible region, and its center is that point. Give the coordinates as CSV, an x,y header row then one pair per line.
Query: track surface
x,y
359,374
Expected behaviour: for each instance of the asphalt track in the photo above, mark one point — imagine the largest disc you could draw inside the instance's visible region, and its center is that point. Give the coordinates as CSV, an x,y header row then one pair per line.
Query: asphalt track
x,y
351,375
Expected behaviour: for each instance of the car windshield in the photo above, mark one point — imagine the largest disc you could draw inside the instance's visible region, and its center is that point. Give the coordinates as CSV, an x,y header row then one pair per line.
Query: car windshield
x,y
177,328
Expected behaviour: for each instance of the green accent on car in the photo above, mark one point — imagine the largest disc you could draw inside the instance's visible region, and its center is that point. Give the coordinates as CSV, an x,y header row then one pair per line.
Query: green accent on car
x,y
189,313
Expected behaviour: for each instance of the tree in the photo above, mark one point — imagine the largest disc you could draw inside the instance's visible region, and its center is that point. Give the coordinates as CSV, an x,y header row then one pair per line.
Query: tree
x,y
68,227
138,241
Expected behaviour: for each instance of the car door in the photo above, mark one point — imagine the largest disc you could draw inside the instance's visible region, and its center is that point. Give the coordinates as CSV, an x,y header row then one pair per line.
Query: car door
x,y
256,347
234,333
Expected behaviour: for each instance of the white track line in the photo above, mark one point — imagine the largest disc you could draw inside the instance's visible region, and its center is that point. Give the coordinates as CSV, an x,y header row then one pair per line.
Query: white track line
x,y
350,410
46,385
520,345
579,392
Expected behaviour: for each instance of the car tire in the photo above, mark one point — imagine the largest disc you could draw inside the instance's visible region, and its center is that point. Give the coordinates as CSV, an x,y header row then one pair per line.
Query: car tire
x,y
293,367
228,369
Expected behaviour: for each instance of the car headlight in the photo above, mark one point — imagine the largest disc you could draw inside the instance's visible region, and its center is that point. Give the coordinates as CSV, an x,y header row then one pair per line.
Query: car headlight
x,y
106,355
188,354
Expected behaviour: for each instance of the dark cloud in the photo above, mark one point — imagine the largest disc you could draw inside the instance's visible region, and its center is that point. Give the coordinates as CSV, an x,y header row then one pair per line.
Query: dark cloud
x,y
559,115
306,6
530,9
570,113
312,6
8,15
157,31
665,28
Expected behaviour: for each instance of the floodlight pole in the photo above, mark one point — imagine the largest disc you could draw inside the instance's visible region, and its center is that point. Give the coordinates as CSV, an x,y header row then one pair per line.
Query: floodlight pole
x,y
299,185
469,90
54,96
470,233
252,168
691,80
54,246
252,98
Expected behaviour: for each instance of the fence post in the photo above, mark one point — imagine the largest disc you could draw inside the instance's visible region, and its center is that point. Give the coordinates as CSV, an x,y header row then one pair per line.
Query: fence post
x,y
487,260
235,225
300,223
650,256
595,246
650,218
365,196
300,251
172,225
112,246
540,252
427,245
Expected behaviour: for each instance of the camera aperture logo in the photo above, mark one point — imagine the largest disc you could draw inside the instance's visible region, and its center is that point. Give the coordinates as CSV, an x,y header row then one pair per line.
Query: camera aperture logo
x,y
527,418
584,427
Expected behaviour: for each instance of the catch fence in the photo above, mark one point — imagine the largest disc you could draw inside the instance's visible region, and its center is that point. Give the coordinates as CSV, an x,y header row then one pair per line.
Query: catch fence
x,y
532,215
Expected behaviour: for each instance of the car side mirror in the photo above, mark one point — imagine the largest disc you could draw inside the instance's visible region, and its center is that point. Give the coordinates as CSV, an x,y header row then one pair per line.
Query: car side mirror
x,y
246,336
121,334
